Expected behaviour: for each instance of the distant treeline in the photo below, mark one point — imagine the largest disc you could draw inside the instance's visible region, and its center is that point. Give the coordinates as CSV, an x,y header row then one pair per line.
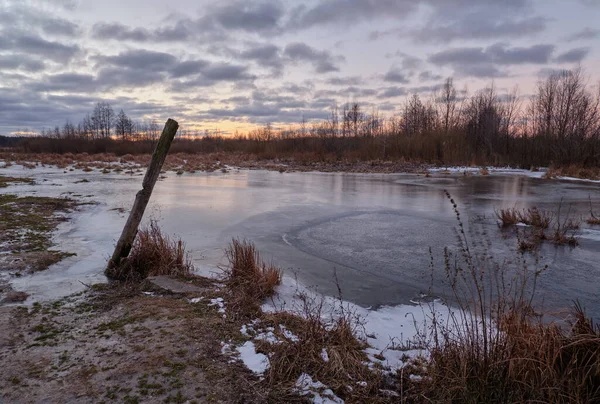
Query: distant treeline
x,y
559,126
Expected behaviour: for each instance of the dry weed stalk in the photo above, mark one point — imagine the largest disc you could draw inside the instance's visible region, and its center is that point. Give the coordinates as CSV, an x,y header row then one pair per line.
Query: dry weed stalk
x,y
496,348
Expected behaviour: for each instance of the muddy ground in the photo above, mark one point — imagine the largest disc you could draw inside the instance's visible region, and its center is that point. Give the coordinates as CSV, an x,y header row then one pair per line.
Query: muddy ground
x,y
123,345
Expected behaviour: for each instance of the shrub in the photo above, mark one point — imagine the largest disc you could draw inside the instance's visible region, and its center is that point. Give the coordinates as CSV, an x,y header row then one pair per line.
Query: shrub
x,y
496,348
536,218
593,219
508,217
154,254
249,279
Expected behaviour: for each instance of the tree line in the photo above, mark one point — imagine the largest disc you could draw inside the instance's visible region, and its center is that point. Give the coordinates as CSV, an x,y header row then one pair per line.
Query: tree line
x,y
103,123
558,125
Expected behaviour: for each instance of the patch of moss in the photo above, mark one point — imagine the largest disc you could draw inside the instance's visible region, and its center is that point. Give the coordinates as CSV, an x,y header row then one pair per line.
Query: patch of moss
x,y
26,227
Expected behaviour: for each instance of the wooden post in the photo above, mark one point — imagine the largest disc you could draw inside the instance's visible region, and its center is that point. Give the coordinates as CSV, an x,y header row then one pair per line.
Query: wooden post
x,y
141,201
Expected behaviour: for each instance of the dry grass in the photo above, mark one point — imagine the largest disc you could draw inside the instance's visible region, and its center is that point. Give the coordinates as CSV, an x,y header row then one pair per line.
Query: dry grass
x,y
537,218
593,219
249,279
531,216
508,217
154,253
15,297
496,348
346,363
575,171
563,232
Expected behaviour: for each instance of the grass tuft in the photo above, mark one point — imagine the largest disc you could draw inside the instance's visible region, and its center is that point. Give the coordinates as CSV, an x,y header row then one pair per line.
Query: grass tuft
x,y
496,348
249,279
153,254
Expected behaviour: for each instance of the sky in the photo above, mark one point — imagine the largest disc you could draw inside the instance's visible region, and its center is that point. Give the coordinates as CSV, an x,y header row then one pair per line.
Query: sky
x,y
231,65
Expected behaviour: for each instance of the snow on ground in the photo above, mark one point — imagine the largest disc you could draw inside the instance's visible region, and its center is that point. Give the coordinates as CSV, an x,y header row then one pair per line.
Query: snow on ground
x,y
504,171
316,391
395,334
256,362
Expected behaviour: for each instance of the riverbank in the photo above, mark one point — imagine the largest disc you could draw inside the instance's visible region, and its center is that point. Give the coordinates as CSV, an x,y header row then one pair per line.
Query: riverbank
x,y
121,344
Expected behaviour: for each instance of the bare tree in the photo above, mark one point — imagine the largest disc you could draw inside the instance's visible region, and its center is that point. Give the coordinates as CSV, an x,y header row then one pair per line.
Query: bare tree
x,y
102,119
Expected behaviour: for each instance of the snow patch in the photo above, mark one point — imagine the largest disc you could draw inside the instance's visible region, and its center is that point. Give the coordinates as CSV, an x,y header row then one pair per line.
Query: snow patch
x,y
218,302
316,391
256,362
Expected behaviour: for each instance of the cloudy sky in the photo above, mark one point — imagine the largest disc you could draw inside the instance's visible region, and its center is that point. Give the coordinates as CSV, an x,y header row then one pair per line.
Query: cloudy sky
x,y
234,64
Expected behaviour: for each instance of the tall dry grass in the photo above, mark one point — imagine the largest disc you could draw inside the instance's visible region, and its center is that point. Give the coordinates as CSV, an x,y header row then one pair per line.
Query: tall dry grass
x,y
248,278
496,347
152,254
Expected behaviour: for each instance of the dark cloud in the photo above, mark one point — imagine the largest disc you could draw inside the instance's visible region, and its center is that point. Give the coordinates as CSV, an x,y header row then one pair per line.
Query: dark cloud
x,y
266,55
140,59
392,92
214,73
573,56
585,34
248,16
20,62
485,62
478,27
72,82
34,44
226,72
181,31
36,110
29,19
345,81
479,71
427,75
59,27
396,76
322,61
349,11
188,68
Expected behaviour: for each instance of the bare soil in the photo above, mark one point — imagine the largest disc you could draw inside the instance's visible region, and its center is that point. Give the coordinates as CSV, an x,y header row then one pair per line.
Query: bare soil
x,y
119,344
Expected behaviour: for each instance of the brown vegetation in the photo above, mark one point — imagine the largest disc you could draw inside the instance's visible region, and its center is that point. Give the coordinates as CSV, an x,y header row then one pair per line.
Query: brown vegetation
x,y
563,232
249,279
559,127
497,349
593,219
154,253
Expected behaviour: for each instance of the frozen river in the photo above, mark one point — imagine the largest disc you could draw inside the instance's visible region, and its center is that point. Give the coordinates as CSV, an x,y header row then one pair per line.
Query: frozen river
x,y
375,230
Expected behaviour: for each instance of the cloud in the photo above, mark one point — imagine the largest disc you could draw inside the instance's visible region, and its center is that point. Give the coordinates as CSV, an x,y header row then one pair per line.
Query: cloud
x,y
585,34
140,59
477,27
181,31
572,56
395,76
427,75
345,81
266,55
480,71
26,18
248,16
34,44
484,62
323,61
72,82
392,92
348,12
188,68
20,62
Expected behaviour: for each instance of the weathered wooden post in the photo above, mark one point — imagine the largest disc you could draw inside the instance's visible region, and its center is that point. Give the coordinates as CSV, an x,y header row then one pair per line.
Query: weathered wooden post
x,y
141,201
